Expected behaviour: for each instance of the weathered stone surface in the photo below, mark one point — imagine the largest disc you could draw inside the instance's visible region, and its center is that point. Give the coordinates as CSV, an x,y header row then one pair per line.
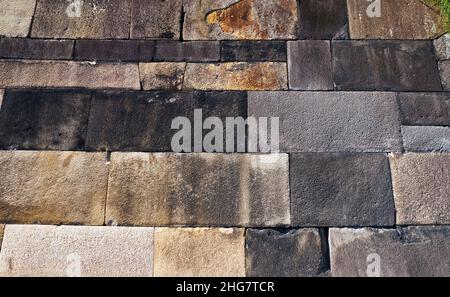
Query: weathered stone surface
x,y
323,19
39,49
52,187
198,190
102,19
76,251
253,51
310,65
421,188
44,119
331,121
341,189
115,50
141,121
2,227
236,76
426,139
411,251
199,252
385,65
155,19
444,68
28,74
1,97
162,76
245,19
400,19
192,51
15,17
294,253
425,109
442,47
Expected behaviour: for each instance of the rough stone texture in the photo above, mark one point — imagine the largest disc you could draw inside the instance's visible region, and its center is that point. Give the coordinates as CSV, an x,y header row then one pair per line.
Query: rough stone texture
x,y
28,74
192,51
115,50
442,47
52,187
76,251
295,253
444,68
198,190
155,19
1,97
331,121
245,19
385,65
38,49
199,252
44,119
253,51
412,251
400,19
425,109
236,76
421,188
15,17
102,19
426,139
341,189
323,19
2,227
141,121
310,65
162,76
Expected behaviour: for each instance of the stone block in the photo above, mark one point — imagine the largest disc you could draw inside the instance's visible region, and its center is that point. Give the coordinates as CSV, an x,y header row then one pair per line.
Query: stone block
x,y
444,68
442,47
162,75
15,17
426,139
425,109
115,50
192,51
36,49
253,51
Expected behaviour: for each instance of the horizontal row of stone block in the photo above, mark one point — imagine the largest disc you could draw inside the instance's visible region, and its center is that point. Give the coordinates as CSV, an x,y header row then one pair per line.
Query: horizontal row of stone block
x,y
230,19
29,250
142,189
56,119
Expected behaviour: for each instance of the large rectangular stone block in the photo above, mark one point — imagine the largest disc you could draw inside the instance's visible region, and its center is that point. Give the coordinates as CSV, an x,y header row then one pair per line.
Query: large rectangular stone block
x,y
162,75
15,17
59,74
399,19
402,252
114,50
44,119
426,138
331,121
199,252
37,49
421,188
43,251
141,121
198,190
240,19
309,65
425,109
253,51
87,19
236,76
287,253
385,65
53,187
341,189
155,19
192,51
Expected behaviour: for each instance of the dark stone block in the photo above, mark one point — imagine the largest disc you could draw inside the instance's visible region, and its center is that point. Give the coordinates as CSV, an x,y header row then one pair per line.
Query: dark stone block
x,y
310,65
341,189
385,65
191,51
36,49
141,121
323,19
425,109
115,50
271,253
253,51
44,119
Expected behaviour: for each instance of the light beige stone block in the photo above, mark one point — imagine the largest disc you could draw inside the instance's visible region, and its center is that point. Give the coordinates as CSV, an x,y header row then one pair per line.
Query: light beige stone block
x,y
15,17
162,76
